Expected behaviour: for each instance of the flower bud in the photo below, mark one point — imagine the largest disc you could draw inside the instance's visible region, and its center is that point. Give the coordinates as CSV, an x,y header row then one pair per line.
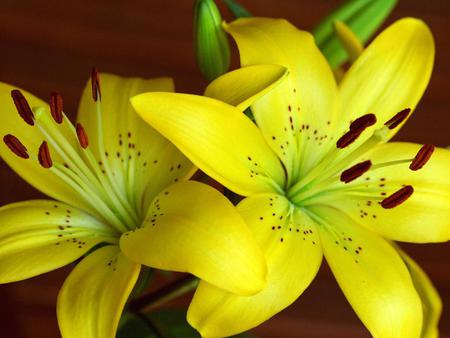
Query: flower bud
x,y
363,18
349,41
211,44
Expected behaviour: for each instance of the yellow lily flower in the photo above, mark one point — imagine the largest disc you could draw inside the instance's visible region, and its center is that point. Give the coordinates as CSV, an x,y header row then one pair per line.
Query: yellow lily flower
x,y
318,174
119,183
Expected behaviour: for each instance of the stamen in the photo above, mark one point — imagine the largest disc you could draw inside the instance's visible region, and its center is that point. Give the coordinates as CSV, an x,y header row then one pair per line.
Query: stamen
x,y
398,118
348,138
56,107
44,156
356,171
95,82
397,198
363,122
82,136
16,146
422,157
22,106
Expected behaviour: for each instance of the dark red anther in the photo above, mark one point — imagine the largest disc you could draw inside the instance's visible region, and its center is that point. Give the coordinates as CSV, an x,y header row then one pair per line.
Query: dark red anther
x,y
44,156
56,107
398,118
422,157
82,136
16,146
363,122
356,171
397,198
22,106
348,138
95,82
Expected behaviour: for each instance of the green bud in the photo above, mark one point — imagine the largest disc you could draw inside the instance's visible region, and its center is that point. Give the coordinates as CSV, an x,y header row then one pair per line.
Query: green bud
x,y
348,39
237,9
363,17
211,43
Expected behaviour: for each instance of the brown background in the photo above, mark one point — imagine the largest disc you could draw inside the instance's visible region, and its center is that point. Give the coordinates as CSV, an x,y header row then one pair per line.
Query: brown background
x,y
51,45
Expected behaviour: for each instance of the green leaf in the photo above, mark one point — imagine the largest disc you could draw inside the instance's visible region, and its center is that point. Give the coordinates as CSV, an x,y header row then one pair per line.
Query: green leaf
x,y
363,17
237,9
173,324
134,326
144,279
211,43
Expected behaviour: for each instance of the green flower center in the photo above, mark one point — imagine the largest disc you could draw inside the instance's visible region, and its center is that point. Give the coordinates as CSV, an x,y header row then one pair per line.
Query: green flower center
x,y
114,194
329,180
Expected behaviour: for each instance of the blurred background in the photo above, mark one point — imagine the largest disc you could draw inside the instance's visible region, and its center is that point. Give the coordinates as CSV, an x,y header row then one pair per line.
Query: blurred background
x,y
52,45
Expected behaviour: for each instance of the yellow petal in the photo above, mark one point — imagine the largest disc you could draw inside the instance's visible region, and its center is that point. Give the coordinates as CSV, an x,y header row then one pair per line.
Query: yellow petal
x,y
30,170
372,276
299,113
293,253
431,302
217,137
390,75
118,116
126,134
243,86
421,218
93,296
192,228
40,236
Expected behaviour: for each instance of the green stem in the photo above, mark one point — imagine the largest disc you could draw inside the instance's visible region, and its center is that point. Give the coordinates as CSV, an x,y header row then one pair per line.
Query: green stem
x,y
165,294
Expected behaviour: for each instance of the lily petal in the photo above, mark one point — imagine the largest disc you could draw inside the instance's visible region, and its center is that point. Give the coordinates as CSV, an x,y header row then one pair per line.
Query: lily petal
x,y
192,228
217,137
118,116
40,236
421,218
93,296
126,134
243,86
431,302
372,276
390,75
298,113
30,170
292,249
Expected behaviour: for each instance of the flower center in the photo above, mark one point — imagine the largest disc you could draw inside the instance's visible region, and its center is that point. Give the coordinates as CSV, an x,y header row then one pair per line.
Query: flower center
x,y
336,176
103,186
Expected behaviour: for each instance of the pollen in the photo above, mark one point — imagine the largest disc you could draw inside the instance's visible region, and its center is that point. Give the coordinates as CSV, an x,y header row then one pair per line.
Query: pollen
x,y
422,157
14,144
22,106
398,197
44,157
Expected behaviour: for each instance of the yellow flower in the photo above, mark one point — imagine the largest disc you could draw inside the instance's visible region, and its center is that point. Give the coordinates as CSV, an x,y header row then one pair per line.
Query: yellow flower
x,y
318,174
113,178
